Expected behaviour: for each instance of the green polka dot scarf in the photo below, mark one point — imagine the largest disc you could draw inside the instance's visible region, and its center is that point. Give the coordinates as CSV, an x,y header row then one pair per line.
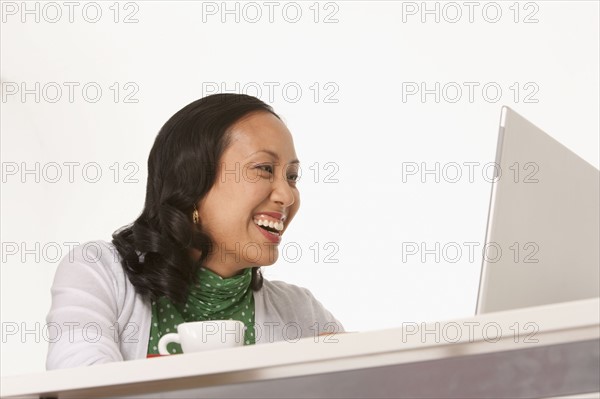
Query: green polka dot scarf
x,y
213,298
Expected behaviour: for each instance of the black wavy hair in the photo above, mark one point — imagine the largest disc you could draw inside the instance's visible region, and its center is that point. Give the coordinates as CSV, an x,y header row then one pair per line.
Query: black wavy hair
x,y
182,168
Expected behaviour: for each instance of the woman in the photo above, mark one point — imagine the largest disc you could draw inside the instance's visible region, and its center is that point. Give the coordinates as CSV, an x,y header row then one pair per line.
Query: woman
x,y
221,192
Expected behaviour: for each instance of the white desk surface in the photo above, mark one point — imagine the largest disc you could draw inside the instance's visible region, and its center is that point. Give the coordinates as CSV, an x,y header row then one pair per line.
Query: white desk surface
x,y
513,330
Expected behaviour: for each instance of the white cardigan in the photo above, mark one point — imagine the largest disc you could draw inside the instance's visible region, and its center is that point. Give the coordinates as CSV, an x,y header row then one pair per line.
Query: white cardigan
x,y
97,316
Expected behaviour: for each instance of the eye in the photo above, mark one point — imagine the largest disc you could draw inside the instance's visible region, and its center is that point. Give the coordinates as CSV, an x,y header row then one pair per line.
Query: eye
x,y
293,178
265,168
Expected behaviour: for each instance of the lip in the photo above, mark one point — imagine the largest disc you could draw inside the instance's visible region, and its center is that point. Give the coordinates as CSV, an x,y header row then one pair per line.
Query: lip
x,y
276,215
270,237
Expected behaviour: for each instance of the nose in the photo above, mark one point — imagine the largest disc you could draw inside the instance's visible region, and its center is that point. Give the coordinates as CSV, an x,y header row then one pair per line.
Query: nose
x,y
282,193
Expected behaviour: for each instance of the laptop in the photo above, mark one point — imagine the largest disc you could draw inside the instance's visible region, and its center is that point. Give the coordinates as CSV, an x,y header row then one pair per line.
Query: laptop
x,y
542,237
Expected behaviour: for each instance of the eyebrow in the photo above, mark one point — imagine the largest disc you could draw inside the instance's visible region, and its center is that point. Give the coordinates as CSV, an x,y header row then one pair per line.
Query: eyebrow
x,y
274,155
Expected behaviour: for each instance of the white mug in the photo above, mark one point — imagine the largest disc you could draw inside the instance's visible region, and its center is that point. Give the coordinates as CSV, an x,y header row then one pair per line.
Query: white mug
x,y
199,336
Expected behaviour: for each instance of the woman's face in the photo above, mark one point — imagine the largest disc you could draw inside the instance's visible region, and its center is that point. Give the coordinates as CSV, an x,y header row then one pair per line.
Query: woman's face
x,y
255,186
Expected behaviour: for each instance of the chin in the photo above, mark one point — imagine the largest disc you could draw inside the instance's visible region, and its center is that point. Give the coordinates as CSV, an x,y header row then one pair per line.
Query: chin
x,y
265,256
271,262
270,258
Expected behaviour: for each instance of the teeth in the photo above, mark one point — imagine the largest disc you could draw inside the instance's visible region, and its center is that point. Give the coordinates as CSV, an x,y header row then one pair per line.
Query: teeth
x,y
269,223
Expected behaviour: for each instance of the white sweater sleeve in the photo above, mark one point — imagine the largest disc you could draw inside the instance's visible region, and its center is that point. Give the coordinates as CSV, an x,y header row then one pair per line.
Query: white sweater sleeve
x,y
83,318
329,324
286,312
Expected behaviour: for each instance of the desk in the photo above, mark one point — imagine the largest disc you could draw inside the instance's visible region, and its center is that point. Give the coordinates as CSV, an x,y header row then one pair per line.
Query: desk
x,y
543,351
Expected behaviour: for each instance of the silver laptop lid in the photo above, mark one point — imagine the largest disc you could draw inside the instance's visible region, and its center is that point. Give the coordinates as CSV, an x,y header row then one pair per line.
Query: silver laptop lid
x,y
542,238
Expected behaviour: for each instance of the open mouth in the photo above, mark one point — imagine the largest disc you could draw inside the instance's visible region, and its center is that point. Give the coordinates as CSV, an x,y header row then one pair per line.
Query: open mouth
x,y
271,230
269,226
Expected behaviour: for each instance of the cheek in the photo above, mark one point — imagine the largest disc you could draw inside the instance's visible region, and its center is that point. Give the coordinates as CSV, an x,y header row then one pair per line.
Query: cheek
x,y
297,201
221,212
242,203
253,194
295,207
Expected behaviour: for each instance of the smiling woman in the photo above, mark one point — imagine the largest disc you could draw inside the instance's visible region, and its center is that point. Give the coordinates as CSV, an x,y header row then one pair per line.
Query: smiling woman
x,y
221,192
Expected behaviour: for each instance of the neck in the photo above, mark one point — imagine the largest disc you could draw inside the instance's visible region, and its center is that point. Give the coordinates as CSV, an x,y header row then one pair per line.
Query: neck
x,y
222,269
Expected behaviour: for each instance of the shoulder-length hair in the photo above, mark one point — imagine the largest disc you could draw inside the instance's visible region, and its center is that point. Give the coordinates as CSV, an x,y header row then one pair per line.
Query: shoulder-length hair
x,y
182,168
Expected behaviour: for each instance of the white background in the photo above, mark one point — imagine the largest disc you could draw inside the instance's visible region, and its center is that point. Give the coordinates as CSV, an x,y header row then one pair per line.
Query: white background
x,y
368,130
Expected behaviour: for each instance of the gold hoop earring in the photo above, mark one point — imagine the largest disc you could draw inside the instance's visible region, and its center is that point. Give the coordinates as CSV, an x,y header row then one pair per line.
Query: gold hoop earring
x,y
195,215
